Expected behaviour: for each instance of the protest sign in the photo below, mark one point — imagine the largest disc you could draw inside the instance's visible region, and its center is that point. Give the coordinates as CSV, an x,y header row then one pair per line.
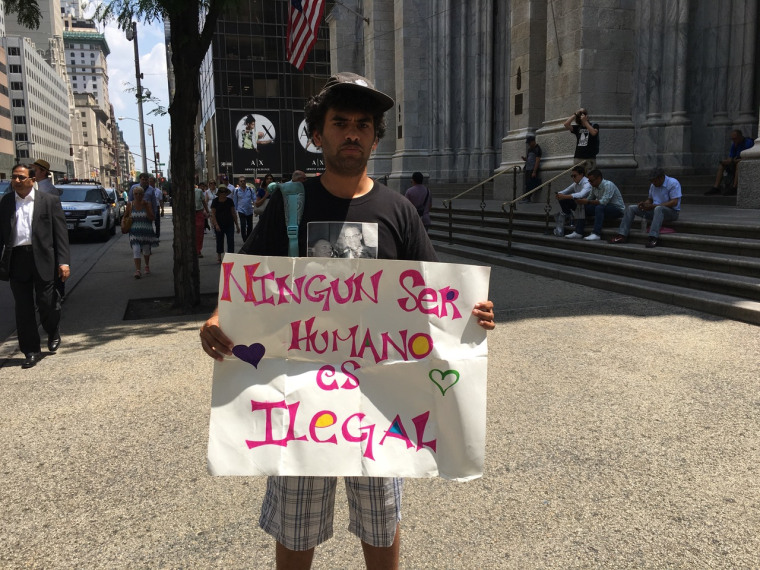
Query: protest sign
x,y
349,367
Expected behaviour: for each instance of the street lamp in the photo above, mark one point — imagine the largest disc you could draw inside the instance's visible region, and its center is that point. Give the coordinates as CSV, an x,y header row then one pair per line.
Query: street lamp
x,y
153,137
132,36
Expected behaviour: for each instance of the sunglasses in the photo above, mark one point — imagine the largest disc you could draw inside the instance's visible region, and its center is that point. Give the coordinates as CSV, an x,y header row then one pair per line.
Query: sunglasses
x,y
19,177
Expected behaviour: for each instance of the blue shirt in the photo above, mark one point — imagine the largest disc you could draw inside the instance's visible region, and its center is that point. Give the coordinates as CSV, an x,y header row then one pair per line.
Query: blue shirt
x,y
736,152
669,190
607,193
243,200
151,196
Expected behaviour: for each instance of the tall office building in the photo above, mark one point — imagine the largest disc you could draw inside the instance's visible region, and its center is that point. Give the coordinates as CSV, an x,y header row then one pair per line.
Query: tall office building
x,y
39,105
246,80
86,50
48,41
7,158
126,162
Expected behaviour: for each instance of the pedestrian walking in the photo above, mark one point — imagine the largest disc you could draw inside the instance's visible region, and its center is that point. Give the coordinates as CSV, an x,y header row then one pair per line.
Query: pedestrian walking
x,y
142,236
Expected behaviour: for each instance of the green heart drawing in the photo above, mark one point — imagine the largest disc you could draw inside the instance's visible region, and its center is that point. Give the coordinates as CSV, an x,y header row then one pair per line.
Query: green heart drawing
x,y
441,382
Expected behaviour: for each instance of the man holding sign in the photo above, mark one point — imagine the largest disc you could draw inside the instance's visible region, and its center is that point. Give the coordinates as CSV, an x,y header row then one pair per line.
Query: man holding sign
x,y
347,121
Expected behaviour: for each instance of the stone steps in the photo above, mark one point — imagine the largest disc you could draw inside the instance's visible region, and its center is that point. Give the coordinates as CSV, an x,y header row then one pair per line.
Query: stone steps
x,y
712,267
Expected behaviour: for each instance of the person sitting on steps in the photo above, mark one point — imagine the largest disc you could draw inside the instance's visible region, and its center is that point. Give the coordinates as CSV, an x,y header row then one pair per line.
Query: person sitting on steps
x,y
663,204
604,202
730,165
580,188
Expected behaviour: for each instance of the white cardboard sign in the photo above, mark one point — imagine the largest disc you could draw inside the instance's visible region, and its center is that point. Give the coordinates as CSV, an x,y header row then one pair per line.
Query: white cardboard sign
x,y
349,367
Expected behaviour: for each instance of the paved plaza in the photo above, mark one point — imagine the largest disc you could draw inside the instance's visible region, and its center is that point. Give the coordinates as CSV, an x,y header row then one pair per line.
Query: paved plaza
x,y
622,433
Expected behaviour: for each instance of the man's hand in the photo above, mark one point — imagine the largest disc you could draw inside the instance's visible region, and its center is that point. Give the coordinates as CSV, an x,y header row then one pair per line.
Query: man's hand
x,y
581,201
214,342
564,196
64,272
484,313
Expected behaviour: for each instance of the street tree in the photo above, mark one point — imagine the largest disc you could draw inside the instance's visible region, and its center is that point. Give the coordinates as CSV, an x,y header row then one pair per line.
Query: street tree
x,y
192,24
27,12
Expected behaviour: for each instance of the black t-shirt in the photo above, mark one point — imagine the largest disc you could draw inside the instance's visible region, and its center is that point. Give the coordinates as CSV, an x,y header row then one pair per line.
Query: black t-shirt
x,y
223,212
586,144
391,219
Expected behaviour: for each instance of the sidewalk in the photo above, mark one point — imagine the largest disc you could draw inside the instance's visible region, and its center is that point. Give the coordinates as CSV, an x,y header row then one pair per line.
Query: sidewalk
x,y
621,433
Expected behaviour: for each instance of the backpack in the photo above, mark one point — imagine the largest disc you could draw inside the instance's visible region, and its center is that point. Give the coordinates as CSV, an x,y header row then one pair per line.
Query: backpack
x,y
293,194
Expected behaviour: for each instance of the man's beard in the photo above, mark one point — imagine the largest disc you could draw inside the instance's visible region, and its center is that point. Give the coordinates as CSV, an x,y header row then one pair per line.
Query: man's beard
x,y
347,165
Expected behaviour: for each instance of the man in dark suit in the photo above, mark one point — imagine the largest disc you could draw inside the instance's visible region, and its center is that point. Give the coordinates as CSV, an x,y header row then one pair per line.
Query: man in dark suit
x,y
35,246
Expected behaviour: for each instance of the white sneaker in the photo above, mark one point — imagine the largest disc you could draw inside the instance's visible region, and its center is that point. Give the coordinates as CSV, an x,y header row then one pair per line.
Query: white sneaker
x,y
592,237
574,235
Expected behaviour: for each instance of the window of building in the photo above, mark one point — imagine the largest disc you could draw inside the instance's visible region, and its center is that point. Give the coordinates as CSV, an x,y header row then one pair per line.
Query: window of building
x,y
22,153
17,85
19,119
14,68
18,103
84,124
21,137
14,51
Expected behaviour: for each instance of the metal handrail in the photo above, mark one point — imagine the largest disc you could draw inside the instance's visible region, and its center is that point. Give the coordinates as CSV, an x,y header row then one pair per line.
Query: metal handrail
x,y
516,168
447,203
547,206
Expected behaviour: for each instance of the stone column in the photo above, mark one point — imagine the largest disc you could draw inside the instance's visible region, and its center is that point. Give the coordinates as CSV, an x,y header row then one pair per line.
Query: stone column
x,y
346,37
722,17
413,113
529,55
379,67
747,73
441,154
678,127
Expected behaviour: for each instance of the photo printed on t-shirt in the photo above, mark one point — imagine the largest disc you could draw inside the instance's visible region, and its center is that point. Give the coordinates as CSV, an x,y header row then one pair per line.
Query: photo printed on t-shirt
x,y
349,240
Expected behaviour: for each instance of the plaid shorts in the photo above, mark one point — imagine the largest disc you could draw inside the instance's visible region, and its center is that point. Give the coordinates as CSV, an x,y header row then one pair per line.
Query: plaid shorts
x,y
298,511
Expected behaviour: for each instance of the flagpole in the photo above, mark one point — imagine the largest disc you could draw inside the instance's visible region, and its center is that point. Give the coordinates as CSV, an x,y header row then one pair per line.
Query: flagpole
x,y
352,10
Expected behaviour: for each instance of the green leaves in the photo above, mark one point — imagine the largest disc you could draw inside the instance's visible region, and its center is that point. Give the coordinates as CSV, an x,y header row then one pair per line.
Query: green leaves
x,y
28,12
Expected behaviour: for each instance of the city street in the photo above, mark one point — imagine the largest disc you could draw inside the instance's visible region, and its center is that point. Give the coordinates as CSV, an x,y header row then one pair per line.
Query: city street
x,y
615,439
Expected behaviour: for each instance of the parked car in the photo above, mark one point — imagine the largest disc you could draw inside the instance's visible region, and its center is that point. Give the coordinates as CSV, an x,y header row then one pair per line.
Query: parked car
x,y
5,186
118,201
87,207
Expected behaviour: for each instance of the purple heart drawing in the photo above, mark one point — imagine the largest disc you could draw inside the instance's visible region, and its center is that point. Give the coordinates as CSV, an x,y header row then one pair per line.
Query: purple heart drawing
x,y
250,354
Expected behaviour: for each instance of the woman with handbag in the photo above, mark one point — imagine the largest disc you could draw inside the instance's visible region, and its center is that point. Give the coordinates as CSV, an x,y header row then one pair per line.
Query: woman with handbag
x,y
139,223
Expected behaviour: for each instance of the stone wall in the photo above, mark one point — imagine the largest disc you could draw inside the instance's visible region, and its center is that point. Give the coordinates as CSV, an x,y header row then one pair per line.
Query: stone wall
x,y
666,80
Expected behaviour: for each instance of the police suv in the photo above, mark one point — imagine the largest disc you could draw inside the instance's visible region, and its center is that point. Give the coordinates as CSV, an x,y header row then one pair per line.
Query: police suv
x,y
87,207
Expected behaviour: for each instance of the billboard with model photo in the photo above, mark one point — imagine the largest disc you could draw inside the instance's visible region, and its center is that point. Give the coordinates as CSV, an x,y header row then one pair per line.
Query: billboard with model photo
x,y
307,156
254,146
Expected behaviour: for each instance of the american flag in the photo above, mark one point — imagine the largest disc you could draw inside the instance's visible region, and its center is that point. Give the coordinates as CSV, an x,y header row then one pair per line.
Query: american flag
x,y
304,17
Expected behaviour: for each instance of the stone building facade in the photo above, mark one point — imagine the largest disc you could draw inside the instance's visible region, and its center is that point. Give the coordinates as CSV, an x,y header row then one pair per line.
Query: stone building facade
x,y
666,80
